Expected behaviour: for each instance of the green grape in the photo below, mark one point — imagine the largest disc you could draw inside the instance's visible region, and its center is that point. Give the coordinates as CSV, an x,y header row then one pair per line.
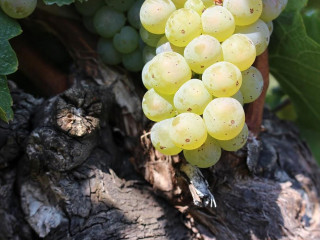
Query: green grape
x,y
192,96
196,5
272,9
218,22
202,52
148,53
270,27
239,50
169,71
245,12
133,61
207,155
239,97
236,143
182,26
18,8
252,84
224,118
108,22
222,79
147,79
259,33
164,45
149,38
120,5
127,40
89,7
88,23
161,140
179,3
188,131
155,13
134,14
108,54
208,3
157,107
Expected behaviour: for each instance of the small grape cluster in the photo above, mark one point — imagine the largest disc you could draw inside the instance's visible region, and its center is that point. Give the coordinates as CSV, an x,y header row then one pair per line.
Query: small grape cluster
x,y
202,73
117,23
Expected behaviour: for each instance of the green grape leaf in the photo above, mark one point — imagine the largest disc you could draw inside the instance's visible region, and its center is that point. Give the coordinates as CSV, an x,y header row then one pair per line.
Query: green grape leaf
x,y
295,62
61,2
9,27
8,58
6,113
311,18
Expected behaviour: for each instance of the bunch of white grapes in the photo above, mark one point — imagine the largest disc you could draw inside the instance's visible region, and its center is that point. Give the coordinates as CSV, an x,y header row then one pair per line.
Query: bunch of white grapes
x,y
117,23
202,73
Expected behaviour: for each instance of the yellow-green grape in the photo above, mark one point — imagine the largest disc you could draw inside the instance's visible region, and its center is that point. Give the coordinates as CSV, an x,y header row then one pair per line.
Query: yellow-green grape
x,y
149,38
155,13
196,5
239,97
270,27
258,32
18,8
218,22
202,52
188,131
222,79
182,26
236,143
169,70
161,140
245,12
208,3
165,46
252,84
192,96
147,79
224,118
205,156
179,3
88,8
157,107
272,9
239,50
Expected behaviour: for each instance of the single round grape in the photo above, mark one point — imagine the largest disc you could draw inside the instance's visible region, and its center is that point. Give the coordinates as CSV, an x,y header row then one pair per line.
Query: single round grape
x,y
155,13
192,96
149,38
134,14
120,5
179,3
259,33
148,53
252,84
224,118
18,8
157,107
108,21
147,79
107,52
272,9
164,45
218,22
161,140
245,12
270,27
239,97
133,61
239,50
188,131
126,40
88,24
222,79
169,71
182,26
202,52
88,8
207,155
196,5
236,143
